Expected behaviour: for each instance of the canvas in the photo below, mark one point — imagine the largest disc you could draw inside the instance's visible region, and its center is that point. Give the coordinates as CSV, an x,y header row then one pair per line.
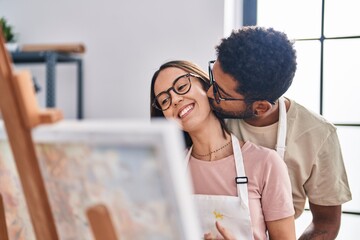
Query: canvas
x,y
134,168
18,221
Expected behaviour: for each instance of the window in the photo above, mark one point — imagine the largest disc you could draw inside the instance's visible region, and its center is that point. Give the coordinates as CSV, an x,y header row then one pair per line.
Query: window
x,y
327,40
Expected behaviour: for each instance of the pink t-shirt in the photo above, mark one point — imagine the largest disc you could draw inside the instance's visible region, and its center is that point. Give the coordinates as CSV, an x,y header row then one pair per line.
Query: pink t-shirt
x,y
269,185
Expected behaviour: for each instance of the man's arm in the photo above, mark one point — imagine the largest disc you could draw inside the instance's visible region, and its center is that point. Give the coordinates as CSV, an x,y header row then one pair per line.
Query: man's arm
x,y
325,224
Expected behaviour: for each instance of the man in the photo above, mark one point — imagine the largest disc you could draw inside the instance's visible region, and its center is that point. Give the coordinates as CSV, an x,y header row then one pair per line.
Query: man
x,y
255,66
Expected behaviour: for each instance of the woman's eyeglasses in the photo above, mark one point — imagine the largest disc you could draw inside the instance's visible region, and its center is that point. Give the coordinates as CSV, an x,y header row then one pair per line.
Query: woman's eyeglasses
x,y
181,86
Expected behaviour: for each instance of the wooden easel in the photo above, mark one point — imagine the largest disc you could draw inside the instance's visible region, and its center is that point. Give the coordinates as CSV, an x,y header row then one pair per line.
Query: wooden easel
x,y
100,222
3,229
21,113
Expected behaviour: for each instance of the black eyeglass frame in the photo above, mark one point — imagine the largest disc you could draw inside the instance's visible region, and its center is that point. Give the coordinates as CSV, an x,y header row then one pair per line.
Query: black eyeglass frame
x,y
187,75
216,89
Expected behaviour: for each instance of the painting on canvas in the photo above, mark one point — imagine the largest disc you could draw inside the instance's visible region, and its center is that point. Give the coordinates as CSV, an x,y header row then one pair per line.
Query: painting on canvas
x,y
18,221
134,168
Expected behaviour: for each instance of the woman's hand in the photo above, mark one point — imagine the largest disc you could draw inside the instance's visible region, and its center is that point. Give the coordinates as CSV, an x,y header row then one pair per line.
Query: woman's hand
x,y
225,234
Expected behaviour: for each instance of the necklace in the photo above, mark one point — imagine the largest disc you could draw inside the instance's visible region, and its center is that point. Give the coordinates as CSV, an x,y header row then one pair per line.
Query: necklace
x,y
209,154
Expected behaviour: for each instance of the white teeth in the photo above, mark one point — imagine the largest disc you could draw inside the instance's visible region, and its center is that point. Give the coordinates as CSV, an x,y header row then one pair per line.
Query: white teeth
x,y
185,110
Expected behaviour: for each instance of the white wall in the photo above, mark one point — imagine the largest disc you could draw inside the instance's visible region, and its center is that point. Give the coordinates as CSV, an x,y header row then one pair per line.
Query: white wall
x,y
126,41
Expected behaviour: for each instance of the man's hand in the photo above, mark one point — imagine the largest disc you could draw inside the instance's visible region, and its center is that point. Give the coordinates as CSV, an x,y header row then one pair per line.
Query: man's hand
x,y
325,224
225,234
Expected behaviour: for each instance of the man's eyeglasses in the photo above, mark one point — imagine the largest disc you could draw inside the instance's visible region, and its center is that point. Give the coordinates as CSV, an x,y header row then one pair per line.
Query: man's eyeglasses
x,y
216,88
181,86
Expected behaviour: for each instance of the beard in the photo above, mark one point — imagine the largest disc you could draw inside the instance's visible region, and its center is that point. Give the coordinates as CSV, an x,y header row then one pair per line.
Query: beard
x,y
245,114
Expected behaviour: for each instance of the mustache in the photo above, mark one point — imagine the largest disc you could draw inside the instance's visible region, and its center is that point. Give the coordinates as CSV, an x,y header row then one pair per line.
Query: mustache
x,y
221,113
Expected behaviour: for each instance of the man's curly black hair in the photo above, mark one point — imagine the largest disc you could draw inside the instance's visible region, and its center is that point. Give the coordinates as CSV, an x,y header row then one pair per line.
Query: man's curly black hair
x,y
262,60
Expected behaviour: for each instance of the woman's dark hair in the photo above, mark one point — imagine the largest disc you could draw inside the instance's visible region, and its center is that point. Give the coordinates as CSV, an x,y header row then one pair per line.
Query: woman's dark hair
x,y
188,67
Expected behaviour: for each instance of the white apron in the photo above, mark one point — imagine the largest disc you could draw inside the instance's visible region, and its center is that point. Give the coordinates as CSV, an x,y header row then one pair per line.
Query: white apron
x,y
281,131
231,211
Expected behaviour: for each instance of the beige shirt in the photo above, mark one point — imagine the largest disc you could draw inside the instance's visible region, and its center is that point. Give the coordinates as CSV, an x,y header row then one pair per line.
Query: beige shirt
x,y
313,156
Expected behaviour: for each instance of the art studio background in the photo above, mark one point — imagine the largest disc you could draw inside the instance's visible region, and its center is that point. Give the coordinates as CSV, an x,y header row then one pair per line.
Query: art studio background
x,y
127,40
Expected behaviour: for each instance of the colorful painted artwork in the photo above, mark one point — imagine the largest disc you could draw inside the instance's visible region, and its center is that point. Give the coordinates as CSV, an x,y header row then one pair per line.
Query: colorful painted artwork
x,y
17,217
135,170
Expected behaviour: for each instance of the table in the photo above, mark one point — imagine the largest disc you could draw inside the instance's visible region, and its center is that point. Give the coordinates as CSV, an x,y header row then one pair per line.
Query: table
x,y
50,59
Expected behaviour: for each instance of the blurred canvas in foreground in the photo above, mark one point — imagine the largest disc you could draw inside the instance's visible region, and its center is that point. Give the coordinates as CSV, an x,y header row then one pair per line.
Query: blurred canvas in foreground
x,y
18,221
133,168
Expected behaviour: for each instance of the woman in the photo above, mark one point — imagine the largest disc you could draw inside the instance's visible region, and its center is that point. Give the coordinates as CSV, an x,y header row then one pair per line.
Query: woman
x,y
242,186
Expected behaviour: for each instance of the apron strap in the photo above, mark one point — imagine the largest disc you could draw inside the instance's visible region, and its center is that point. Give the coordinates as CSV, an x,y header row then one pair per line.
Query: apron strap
x,y
241,179
281,134
187,158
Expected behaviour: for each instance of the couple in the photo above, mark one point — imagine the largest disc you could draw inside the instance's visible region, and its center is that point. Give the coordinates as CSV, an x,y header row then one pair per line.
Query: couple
x,y
241,186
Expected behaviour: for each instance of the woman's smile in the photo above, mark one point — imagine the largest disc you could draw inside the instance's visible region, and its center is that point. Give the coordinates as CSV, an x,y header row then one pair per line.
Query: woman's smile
x,y
185,110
